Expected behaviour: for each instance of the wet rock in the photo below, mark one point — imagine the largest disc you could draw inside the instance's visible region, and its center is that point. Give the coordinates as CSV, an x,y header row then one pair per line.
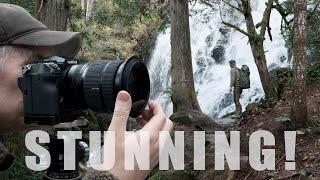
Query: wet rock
x,y
273,70
209,40
224,31
145,45
218,54
226,101
284,77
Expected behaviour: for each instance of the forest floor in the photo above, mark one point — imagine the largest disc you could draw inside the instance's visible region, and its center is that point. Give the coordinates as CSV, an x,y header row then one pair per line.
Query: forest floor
x,y
274,120
307,149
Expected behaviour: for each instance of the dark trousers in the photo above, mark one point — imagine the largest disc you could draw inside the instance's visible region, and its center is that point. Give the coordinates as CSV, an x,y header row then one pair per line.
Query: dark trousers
x,y
236,96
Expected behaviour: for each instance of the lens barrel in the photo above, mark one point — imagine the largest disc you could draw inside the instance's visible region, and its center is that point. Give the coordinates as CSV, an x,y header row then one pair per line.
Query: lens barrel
x,y
96,84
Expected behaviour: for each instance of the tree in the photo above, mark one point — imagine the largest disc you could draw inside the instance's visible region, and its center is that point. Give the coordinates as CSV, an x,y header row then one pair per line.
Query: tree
x,y
53,13
83,11
183,92
286,10
256,40
89,10
299,113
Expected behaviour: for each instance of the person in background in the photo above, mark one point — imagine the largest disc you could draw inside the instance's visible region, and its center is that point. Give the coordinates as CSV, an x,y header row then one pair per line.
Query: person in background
x,y
235,87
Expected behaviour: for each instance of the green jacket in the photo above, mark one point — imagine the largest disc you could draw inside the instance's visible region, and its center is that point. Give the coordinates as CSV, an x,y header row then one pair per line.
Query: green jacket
x,y
235,77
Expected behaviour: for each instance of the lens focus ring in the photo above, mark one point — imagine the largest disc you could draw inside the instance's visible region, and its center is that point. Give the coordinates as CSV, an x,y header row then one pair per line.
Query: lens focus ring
x,y
91,86
108,76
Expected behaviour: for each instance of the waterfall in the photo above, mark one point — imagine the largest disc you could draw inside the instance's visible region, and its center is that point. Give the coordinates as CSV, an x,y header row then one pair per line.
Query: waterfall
x,y
213,45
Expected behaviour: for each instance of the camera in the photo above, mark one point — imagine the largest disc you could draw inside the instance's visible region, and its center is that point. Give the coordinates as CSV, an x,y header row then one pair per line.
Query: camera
x,y
57,90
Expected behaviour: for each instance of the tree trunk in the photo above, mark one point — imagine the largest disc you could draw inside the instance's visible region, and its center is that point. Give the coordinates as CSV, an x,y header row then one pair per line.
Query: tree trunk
x,y
183,92
53,13
256,42
299,113
83,11
89,10
261,63
315,43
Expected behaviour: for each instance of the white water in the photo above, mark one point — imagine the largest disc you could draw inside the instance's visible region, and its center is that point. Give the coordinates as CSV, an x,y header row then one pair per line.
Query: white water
x,y
211,78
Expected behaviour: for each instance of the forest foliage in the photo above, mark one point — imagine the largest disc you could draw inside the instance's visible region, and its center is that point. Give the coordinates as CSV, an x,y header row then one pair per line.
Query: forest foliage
x,y
116,28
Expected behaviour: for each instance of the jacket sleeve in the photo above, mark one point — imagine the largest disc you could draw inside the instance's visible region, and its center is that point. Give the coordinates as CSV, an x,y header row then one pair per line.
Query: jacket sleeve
x,y
92,174
232,77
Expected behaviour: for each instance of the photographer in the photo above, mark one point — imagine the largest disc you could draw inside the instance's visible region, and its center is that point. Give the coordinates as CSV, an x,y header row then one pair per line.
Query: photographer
x,y
25,40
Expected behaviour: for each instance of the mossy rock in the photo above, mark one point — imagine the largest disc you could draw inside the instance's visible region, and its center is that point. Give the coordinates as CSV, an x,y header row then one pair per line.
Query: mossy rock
x,y
194,119
172,175
250,107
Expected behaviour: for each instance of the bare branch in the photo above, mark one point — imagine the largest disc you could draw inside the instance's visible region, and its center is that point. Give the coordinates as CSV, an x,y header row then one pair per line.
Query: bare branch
x,y
281,11
314,10
237,28
233,6
210,3
269,33
266,18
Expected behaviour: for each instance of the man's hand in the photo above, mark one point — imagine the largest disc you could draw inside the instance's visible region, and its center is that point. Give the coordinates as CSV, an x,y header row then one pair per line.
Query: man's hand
x,y
152,119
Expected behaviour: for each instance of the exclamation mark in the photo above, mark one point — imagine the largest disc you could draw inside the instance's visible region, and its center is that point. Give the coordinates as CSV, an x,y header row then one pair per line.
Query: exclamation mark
x,y
290,147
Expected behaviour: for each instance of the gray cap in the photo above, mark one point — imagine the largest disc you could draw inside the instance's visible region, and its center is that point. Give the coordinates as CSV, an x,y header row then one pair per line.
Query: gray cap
x,y
19,28
232,61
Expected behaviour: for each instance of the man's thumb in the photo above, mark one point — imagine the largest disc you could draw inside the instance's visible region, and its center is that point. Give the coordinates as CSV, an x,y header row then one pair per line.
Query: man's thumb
x,y
121,112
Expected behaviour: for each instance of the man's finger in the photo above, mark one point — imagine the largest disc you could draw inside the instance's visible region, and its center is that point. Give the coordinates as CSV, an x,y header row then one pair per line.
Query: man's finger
x,y
147,114
157,122
141,120
155,107
121,112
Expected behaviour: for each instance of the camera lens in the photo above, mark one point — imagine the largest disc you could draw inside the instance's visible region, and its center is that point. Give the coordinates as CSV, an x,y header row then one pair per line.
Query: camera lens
x,y
96,85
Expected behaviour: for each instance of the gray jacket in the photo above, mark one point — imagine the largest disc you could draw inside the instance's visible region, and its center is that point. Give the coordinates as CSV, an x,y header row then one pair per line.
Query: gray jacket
x,y
235,77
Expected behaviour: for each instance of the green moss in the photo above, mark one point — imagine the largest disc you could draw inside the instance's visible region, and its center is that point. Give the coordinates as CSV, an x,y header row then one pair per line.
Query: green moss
x,y
181,118
18,170
194,119
250,107
313,73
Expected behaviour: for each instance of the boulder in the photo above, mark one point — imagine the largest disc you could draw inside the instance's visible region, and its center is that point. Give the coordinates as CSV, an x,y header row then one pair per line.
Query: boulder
x,y
218,54
195,120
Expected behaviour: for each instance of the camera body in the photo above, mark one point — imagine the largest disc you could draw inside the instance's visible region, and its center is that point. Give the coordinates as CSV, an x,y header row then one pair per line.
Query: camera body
x,y
57,90
42,86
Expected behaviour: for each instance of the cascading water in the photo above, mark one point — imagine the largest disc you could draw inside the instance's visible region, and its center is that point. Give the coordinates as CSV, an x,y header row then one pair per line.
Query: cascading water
x,y
213,44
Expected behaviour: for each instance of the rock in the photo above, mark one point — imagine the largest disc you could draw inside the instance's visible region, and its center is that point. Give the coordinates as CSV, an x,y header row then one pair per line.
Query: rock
x,y
218,54
226,101
195,120
145,44
273,70
284,80
224,31
259,125
252,106
209,40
